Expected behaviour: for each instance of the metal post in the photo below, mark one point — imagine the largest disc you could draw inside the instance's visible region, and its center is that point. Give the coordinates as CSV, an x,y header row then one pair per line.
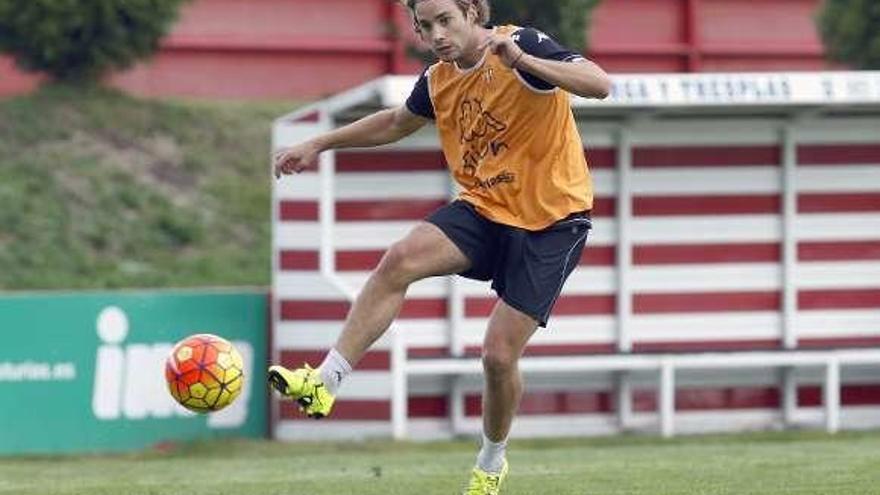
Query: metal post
x,y
399,406
456,318
624,243
789,237
832,395
789,396
327,205
623,399
667,399
456,405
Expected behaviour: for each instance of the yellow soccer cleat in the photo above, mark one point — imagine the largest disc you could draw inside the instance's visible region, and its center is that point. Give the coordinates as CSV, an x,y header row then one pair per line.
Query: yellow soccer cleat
x,y
304,386
483,483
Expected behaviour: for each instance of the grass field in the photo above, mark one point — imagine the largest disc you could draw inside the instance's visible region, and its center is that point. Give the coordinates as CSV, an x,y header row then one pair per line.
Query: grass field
x,y
777,463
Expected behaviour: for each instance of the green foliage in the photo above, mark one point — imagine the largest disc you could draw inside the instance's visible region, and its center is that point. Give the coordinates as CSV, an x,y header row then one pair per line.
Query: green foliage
x,y
73,40
850,30
567,21
101,190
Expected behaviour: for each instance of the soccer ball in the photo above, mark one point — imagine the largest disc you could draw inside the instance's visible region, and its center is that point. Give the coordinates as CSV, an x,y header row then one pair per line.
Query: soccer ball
x,y
204,373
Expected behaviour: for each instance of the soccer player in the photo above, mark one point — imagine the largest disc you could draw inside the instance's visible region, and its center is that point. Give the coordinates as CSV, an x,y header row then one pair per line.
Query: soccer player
x,y
499,97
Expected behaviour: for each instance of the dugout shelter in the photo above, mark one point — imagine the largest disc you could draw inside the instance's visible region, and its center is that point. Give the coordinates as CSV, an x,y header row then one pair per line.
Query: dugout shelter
x,y
731,280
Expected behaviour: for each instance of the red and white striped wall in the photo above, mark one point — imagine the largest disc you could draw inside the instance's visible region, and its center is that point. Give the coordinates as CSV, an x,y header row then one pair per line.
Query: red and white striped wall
x,y
716,227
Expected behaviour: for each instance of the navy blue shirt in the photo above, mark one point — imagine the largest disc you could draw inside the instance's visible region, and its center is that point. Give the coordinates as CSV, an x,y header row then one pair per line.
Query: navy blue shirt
x,y
530,40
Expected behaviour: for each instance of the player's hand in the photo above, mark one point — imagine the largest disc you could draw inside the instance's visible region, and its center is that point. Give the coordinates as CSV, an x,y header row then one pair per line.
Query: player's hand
x,y
295,159
504,47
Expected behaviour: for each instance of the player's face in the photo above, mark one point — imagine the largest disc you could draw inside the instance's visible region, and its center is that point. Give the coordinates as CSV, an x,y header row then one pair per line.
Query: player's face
x,y
449,31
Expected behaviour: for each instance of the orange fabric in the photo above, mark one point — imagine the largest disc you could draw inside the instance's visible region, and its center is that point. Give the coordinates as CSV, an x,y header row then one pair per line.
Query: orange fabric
x,y
516,153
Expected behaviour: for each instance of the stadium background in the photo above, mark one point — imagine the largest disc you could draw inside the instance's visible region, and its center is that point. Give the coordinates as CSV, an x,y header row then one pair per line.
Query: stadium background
x,y
284,50
314,48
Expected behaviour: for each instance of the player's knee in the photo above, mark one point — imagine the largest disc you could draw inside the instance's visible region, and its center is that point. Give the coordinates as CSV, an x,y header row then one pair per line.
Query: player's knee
x,y
399,265
499,359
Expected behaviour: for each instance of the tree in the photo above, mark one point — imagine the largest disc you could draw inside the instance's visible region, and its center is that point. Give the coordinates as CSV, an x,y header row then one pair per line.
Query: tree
x,y
850,30
72,40
567,21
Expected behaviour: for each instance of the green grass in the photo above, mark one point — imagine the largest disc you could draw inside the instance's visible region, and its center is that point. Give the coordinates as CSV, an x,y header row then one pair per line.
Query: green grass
x,y
770,463
102,190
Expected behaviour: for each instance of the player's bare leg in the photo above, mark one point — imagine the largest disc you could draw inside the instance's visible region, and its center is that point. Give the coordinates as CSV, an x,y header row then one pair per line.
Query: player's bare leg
x,y
509,331
424,252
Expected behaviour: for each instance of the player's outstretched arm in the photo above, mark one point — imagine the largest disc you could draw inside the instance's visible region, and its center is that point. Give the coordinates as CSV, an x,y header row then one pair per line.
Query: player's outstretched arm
x,y
382,127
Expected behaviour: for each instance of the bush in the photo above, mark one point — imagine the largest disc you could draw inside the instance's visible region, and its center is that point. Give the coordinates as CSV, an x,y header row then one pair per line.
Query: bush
x,y
567,21
79,41
850,30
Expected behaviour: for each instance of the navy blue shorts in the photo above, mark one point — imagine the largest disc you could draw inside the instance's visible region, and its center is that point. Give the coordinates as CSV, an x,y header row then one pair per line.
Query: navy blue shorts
x,y
527,268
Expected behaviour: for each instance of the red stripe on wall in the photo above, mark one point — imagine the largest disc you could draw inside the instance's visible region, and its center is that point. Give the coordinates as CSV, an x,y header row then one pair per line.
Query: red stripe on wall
x,y
314,310
598,256
601,158
298,210
374,410
645,254
839,251
353,211
602,304
604,207
291,259
555,403
708,399
351,410
705,205
839,299
706,302
372,360
409,209
366,260
358,260
569,349
833,203
838,154
839,342
851,395
691,399
337,310
706,156
481,307
673,254
646,303
389,161
708,345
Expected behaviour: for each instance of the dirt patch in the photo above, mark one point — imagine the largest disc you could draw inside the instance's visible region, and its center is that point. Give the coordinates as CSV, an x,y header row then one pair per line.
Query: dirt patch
x,y
155,162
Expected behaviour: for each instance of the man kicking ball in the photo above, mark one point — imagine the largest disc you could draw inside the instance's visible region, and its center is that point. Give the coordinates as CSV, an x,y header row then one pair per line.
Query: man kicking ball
x,y
499,97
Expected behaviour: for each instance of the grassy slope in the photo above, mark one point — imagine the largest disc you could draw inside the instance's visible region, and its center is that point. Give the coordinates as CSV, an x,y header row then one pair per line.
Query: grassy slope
x,y
760,464
102,190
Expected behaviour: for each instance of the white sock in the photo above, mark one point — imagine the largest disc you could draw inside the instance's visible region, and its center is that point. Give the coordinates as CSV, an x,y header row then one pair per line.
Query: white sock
x,y
333,370
491,456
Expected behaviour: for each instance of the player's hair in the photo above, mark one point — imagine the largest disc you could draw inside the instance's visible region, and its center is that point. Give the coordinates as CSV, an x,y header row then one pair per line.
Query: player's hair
x,y
480,6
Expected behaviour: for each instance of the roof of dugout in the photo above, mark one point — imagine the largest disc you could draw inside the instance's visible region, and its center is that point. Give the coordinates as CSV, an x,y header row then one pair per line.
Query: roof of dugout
x,y
659,96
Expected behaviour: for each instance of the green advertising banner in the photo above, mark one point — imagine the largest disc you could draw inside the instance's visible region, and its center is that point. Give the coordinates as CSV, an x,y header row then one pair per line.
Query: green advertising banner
x,y
85,372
